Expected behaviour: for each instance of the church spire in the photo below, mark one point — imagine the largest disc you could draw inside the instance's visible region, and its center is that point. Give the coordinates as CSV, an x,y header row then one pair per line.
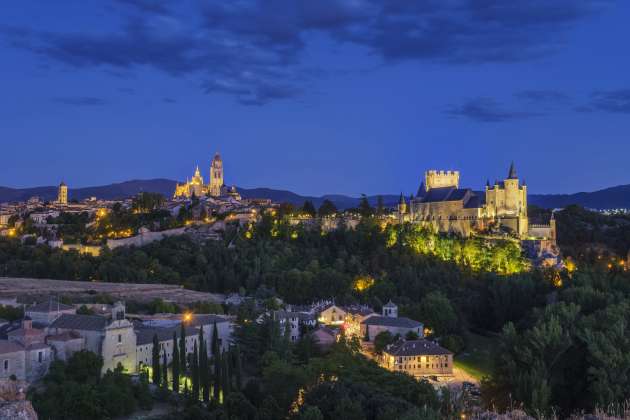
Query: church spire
x,y
512,172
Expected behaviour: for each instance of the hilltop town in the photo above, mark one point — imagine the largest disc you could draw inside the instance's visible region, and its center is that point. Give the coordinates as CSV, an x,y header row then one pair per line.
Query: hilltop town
x,y
200,295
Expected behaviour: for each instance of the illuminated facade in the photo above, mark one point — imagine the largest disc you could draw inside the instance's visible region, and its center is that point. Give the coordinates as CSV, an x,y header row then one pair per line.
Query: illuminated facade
x,y
198,188
443,205
216,176
62,194
418,358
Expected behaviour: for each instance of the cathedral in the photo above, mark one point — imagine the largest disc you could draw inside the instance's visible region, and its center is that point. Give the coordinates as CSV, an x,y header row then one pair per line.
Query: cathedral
x,y
214,188
441,203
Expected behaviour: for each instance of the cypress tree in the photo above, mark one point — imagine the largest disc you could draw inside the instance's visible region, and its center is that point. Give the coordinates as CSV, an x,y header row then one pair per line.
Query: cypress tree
x,y
217,376
225,375
194,367
155,362
215,340
237,366
164,371
182,348
175,364
204,374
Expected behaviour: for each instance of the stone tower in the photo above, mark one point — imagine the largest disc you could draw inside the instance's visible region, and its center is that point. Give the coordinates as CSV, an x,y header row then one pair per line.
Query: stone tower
x,y
216,176
390,310
62,194
441,179
506,202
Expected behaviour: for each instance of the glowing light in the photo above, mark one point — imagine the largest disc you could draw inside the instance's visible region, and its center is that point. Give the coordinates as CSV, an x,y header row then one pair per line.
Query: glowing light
x,y
248,234
294,235
187,317
363,283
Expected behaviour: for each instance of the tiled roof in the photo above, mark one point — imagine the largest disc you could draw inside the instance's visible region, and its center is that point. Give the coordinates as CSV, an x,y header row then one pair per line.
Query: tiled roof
x,y
387,321
358,310
416,348
49,306
64,336
300,315
80,322
145,335
9,347
206,319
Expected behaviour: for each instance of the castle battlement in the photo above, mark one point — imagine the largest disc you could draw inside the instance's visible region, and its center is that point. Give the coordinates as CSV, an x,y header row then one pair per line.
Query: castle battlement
x,y
440,179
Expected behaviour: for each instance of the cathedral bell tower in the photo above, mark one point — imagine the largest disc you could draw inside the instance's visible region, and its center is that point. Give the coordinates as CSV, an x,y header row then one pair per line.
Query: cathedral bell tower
x,y
216,176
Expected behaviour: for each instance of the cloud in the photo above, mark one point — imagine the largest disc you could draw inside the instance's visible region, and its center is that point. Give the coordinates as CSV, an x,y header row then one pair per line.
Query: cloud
x,y
253,49
612,101
80,100
487,110
538,96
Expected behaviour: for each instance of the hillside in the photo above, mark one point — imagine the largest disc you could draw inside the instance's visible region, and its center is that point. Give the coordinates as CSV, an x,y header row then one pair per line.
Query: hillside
x,y
609,198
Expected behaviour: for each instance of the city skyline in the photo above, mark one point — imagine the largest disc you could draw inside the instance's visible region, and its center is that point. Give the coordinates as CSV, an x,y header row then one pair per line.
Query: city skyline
x,y
343,97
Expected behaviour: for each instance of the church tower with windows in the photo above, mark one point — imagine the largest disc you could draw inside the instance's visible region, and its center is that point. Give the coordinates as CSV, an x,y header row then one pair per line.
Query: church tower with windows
x,y
216,176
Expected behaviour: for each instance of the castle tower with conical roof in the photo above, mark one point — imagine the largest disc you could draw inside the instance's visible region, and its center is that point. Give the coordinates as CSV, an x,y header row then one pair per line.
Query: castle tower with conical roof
x,y
506,203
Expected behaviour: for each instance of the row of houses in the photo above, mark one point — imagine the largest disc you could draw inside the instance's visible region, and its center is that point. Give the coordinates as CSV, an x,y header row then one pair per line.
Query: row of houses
x,y
418,356
54,331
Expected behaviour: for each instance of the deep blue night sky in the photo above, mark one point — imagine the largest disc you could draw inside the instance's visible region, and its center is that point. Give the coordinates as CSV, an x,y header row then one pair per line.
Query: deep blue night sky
x,y
326,96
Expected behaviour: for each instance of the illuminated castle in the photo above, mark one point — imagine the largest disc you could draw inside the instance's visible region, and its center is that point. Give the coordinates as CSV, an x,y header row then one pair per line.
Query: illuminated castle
x,y
442,204
198,188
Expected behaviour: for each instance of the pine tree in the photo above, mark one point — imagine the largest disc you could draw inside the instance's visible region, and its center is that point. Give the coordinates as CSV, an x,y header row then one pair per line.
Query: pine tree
x,y
194,367
164,371
175,364
155,362
217,376
182,348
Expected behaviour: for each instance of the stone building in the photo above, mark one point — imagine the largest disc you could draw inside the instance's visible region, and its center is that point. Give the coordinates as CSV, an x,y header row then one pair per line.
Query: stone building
x,y
144,343
389,321
24,353
332,315
418,358
298,321
114,339
215,185
62,194
44,313
441,204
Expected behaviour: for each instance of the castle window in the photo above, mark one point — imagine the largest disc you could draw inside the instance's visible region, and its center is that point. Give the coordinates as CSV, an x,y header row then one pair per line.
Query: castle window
x,y
119,338
40,356
6,365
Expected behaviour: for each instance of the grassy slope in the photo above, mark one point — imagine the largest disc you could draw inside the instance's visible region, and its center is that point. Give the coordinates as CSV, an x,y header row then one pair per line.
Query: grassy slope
x,y
476,360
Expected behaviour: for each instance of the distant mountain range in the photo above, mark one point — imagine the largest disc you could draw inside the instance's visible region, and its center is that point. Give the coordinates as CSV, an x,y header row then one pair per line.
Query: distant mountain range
x,y
609,198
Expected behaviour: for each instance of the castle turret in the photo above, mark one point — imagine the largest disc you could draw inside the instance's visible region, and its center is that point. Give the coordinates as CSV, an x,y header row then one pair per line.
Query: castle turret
x,y
402,205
